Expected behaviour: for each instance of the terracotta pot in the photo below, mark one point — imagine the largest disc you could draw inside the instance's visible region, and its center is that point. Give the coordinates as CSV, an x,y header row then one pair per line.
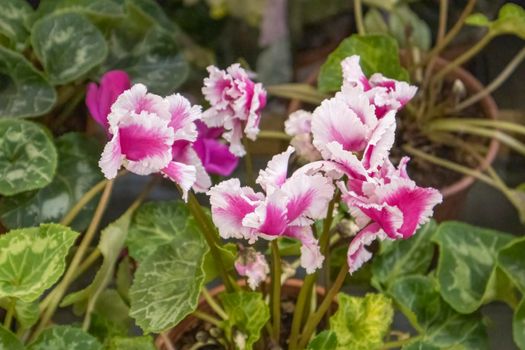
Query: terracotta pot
x,y
290,288
455,194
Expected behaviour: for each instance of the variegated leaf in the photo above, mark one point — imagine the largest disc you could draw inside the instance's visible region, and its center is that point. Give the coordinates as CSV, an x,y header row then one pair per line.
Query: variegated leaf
x,y
77,172
95,9
438,325
467,264
26,314
68,45
33,259
65,338
247,314
25,91
9,341
326,340
28,157
511,260
168,282
12,18
130,343
362,323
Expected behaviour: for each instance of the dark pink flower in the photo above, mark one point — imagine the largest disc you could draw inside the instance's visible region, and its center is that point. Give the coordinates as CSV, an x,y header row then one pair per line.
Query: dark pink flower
x,y
214,155
99,98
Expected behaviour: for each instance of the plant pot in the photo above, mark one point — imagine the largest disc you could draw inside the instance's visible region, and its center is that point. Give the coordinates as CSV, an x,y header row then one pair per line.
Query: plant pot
x,y
290,289
455,194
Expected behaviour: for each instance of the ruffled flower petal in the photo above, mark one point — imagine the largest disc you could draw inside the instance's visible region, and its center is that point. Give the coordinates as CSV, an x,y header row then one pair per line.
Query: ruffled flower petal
x,y
253,265
183,116
311,257
182,174
276,171
357,254
299,122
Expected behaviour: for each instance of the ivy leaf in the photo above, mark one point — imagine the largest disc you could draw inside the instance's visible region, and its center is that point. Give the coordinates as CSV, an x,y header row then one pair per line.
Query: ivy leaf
x,y
111,243
168,282
9,341
510,259
518,325
467,263
28,158
25,91
511,20
326,340
26,314
362,323
68,45
247,313
65,338
12,17
76,173
130,343
440,326
404,257
379,54
33,259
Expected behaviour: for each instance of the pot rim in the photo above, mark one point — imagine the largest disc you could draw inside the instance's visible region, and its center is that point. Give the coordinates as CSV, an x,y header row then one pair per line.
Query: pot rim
x,y
487,103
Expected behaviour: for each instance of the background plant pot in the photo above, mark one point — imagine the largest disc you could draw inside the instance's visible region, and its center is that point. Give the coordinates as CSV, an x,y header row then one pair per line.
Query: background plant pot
x,y
455,194
290,289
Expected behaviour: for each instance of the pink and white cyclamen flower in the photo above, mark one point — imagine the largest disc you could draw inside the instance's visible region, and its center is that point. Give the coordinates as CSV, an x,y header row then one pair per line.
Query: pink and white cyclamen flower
x,y
253,266
287,208
236,103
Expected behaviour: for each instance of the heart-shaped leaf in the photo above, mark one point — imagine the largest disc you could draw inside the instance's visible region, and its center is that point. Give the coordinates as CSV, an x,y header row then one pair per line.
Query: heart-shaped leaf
x,y
12,18
511,20
404,257
379,54
362,323
518,325
438,325
467,264
247,313
326,340
76,173
168,280
28,158
33,259
68,45
9,341
65,338
511,261
25,91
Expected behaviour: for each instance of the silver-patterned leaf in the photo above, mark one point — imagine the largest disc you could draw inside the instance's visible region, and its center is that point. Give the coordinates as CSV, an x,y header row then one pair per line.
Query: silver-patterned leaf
x,y
68,45
65,338
12,17
28,157
467,264
25,92
26,314
511,260
33,259
77,172
168,282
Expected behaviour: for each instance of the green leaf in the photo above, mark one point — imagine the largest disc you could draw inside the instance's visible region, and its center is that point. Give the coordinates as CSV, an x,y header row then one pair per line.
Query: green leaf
x,y
247,313
77,172
511,20
510,259
9,341
131,343
326,340
467,262
379,54
439,326
110,316
26,314
65,338
12,17
404,257
28,158
33,259
362,323
518,325
167,283
374,22
94,9
111,243
402,21
68,46
124,278
228,255
25,91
